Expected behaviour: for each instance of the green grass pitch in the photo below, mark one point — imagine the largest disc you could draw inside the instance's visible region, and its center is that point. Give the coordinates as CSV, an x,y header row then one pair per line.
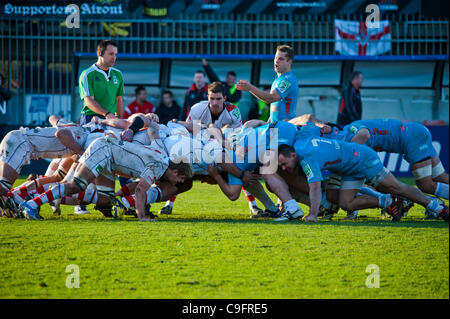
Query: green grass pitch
x,y
210,248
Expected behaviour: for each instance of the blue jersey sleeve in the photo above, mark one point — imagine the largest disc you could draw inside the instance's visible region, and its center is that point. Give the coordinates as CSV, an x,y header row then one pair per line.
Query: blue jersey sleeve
x,y
312,171
282,86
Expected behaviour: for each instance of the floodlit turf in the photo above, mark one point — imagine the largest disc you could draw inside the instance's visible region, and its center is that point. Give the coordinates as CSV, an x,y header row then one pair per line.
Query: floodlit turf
x,y
209,248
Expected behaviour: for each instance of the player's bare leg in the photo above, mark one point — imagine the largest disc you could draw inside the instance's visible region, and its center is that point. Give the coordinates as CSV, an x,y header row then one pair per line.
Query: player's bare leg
x,y
423,173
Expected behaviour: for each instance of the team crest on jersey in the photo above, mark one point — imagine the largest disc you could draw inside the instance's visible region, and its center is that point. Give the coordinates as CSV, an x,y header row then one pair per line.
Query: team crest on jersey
x,y
353,129
99,169
115,80
307,169
284,86
236,112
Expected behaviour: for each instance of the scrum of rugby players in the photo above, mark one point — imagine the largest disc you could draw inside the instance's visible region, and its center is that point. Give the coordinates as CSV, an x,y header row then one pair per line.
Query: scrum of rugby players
x,y
213,146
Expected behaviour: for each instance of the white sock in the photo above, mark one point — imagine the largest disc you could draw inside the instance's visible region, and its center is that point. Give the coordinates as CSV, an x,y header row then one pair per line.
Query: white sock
x,y
442,190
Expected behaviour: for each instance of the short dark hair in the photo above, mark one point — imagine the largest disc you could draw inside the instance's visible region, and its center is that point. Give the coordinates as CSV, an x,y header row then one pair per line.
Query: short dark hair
x,y
103,44
285,150
182,168
199,71
168,92
216,87
232,73
286,49
355,74
139,89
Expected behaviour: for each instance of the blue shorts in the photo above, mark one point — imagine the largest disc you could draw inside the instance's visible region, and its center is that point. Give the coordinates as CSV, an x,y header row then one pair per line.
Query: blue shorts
x,y
84,119
418,144
369,166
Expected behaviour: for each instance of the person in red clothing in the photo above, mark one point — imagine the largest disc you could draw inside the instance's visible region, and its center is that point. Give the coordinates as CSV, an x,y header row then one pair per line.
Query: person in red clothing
x,y
140,105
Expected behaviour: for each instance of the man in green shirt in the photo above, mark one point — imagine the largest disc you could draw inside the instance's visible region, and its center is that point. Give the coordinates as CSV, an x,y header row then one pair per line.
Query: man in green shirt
x,y
101,89
101,85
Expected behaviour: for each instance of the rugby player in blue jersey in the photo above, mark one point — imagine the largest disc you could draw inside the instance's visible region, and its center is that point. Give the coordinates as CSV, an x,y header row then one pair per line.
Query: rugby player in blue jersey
x,y
413,140
356,164
284,91
251,146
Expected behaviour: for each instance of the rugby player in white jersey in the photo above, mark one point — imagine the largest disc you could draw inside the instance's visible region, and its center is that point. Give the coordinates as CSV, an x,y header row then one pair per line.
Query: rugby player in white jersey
x,y
149,163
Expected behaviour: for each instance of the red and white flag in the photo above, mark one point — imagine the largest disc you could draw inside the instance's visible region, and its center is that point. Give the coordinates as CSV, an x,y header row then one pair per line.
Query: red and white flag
x,y
355,38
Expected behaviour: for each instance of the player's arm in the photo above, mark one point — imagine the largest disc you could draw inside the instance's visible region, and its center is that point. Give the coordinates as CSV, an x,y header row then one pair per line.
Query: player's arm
x,y
315,196
119,106
268,97
117,123
301,120
231,191
254,123
94,106
153,131
141,198
361,137
54,119
228,166
137,122
66,139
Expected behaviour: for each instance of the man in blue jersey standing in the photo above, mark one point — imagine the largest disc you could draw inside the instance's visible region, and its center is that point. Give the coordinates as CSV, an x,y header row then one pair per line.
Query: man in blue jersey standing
x,y
284,91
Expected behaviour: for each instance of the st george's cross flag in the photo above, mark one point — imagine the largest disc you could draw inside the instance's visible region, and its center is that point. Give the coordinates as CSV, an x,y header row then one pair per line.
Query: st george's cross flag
x,y
355,38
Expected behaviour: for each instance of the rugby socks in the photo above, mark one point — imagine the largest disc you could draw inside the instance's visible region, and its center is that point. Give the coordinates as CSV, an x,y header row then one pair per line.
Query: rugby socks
x,y
250,198
128,201
170,201
89,195
325,202
434,206
258,191
370,192
153,196
442,190
53,193
20,197
384,200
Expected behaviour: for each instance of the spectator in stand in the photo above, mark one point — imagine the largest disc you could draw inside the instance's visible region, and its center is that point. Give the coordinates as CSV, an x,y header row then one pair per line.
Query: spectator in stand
x,y
140,105
168,109
350,109
197,92
232,95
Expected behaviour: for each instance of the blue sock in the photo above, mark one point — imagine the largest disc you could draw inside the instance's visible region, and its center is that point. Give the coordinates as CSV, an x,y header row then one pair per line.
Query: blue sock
x,y
370,191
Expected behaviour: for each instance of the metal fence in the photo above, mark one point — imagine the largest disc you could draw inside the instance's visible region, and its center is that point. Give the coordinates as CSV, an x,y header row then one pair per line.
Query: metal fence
x,y
37,55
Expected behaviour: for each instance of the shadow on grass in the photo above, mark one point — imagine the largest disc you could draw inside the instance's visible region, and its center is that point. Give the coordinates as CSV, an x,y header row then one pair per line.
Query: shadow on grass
x,y
364,222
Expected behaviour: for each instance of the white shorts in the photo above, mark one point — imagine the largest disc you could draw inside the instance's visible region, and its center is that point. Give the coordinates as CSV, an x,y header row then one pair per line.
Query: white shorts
x,y
45,144
139,161
15,150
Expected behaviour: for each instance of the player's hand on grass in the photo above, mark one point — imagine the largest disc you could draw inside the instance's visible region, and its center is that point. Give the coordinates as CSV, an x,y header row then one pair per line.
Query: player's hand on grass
x,y
310,218
243,85
127,135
